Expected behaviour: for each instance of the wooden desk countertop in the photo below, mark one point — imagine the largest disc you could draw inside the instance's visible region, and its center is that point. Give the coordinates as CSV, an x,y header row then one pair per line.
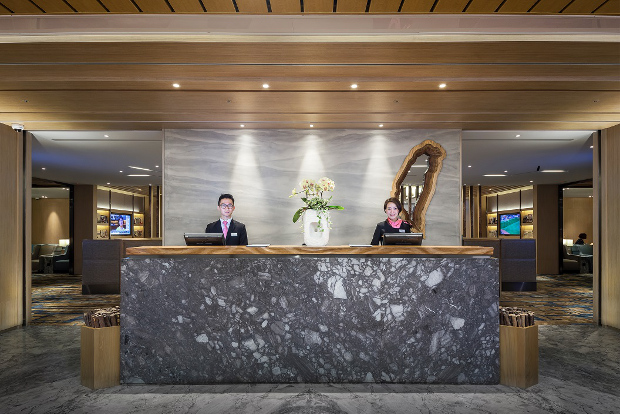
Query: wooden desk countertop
x,y
305,250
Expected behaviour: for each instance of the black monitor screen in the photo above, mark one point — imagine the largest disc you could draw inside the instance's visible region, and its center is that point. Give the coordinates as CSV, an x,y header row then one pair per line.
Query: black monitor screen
x,y
411,239
204,239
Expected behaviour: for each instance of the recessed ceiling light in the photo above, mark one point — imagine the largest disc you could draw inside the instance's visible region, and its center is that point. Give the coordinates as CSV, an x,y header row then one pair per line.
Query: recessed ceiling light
x,y
354,86
139,168
176,85
469,166
591,146
311,126
242,126
494,175
517,136
380,125
442,85
265,86
121,171
106,136
531,181
137,175
157,166
108,183
43,168
553,171
505,171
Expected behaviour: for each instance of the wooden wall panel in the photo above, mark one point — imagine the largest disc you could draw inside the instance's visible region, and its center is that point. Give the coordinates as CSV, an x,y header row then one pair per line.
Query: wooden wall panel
x,y
186,6
11,222
252,6
450,6
50,220
54,6
583,6
285,6
21,6
550,6
610,7
219,6
351,6
546,220
483,6
517,6
87,6
578,217
610,223
120,6
318,6
153,6
417,6
384,6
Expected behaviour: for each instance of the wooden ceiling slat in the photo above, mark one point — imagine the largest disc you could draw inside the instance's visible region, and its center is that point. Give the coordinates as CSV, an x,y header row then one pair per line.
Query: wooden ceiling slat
x,y
318,6
550,6
86,6
153,6
285,6
450,6
186,6
252,6
351,6
219,6
517,6
583,6
21,6
120,6
384,6
611,7
483,6
314,53
53,6
417,6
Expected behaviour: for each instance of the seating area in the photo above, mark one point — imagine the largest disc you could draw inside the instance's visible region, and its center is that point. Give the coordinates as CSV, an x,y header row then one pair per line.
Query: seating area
x,y
577,258
50,258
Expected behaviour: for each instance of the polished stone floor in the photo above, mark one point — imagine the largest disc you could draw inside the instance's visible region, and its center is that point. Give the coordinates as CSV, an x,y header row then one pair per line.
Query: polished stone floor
x,y
579,373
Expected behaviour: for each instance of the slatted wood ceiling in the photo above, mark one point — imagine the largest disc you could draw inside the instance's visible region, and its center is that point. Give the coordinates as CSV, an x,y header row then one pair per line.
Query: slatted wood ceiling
x,y
564,7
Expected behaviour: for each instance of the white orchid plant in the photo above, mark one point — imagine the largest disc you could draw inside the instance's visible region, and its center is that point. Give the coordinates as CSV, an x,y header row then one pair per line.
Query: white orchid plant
x,y
313,197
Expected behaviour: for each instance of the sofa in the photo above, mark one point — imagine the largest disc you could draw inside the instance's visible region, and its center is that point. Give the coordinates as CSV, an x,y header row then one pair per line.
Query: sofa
x,y
101,263
577,258
38,250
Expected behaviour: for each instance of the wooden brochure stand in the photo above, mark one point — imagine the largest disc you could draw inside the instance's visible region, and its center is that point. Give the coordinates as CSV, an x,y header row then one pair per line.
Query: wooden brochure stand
x,y
518,355
100,356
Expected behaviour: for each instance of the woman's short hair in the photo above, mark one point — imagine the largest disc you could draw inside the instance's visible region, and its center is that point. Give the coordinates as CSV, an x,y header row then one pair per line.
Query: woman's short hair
x,y
395,201
583,236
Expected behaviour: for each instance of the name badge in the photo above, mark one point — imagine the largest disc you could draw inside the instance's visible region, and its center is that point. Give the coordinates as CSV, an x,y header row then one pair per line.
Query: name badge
x,y
233,234
401,230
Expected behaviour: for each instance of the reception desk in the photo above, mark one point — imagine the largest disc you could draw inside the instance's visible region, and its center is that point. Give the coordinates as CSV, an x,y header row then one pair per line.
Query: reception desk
x,y
199,315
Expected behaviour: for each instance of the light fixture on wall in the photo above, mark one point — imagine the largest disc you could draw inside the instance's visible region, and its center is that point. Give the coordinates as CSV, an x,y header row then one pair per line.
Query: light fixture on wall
x,y
311,126
176,85
265,86
354,86
242,126
442,85
380,125
139,168
64,242
494,175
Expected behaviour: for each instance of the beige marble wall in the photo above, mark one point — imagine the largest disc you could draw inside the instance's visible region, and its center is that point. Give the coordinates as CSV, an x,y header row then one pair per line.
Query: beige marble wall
x,y
261,167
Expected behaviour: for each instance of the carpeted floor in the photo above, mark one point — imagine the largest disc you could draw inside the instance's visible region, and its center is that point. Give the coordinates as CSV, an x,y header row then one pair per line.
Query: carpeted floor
x,y
58,300
560,299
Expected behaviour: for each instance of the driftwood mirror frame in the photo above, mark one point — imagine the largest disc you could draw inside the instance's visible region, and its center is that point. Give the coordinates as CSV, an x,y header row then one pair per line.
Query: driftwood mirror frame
x,y
436,155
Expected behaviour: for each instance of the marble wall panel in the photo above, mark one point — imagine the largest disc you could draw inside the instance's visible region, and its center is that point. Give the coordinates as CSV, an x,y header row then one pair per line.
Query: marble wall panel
x,y
206,319
261,167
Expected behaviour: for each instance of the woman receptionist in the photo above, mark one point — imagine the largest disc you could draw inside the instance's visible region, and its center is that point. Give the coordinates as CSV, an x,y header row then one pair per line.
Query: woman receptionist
x,y
393,223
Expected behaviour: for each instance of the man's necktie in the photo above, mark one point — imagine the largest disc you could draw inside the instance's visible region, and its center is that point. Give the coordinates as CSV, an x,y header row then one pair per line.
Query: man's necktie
x,y
225,224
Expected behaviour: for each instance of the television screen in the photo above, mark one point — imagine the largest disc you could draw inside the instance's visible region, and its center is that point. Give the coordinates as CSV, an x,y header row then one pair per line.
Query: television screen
x,y
510,224
120,224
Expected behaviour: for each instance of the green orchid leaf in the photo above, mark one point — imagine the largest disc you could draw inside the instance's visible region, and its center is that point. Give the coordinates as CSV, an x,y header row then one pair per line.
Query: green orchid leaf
x,y
335,207
298,214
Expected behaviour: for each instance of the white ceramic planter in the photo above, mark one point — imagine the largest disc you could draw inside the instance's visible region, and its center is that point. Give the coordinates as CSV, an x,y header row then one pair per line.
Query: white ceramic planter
x,y
312,235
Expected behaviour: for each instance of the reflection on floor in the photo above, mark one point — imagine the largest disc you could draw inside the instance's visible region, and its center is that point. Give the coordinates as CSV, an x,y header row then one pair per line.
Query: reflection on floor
x,y
579,373
559,300
58,300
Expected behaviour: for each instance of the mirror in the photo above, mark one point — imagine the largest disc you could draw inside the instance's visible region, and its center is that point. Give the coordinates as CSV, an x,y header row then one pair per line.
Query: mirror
x,y
423,180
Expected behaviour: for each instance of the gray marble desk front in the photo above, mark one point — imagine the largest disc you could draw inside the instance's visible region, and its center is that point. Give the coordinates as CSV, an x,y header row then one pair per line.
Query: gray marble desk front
x,y
198,319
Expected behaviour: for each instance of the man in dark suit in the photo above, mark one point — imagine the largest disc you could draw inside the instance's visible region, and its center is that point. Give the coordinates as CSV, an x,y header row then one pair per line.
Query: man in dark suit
x,y
234,231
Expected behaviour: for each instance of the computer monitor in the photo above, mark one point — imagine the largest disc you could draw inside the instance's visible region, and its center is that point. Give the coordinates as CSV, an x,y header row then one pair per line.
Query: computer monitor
x,y
410,239
204,239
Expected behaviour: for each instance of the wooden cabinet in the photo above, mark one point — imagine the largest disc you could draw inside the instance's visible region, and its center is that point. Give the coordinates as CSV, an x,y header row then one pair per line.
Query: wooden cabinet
x,y
103,224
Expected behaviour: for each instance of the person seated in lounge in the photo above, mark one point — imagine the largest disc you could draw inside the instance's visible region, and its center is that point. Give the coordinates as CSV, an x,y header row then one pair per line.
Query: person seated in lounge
x,y
581,239
393,223
234,231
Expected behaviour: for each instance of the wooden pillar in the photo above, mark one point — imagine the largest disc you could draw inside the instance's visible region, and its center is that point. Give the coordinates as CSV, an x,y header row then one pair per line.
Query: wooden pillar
x,y
84,224
606,225
546,228
13,271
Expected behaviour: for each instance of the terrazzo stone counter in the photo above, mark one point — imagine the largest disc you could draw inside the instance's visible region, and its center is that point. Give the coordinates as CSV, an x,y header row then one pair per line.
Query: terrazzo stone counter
x,y
362,315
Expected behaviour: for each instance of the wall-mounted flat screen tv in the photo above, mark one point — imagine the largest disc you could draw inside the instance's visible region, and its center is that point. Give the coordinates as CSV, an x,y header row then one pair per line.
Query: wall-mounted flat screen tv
x,y
510,224
120,224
